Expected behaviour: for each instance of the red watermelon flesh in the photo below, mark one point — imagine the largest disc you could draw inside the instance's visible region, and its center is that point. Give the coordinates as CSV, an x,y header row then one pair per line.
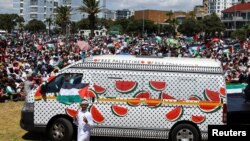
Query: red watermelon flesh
x,y
96,114
198,119
51,78
194,97
119,110
86,93
208,108
174,114
157,85
125,86
72,113
222,91
99,89
167,96
212,96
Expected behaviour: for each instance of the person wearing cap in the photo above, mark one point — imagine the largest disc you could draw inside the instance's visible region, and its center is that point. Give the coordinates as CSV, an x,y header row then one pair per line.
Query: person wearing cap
x,y
84,121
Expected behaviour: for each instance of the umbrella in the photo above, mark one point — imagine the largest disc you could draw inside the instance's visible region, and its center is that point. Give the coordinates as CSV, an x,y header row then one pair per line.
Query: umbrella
x,y
110,46
83,45
158,39
51,46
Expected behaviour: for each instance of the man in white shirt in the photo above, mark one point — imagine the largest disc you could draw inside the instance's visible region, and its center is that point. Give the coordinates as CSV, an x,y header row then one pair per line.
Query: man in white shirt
x,y
84,121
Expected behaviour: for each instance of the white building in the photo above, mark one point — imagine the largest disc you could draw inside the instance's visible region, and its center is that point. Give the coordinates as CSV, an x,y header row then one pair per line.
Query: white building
x,y
42,9
216,6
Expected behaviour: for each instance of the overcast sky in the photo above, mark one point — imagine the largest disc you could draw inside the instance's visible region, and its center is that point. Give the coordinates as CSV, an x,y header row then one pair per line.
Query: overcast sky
x,y
184,5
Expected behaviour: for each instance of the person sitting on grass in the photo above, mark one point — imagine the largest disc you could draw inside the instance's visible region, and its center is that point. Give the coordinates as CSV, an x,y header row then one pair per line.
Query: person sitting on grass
x,y
3,96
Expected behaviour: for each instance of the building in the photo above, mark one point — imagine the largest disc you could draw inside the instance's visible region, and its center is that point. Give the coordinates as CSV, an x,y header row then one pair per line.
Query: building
x,y
158,16
124,14
236,16
216,6
110,15
42,9
201,10
34,9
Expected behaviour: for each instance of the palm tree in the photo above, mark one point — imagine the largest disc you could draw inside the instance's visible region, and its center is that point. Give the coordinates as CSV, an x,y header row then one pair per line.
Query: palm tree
x,y
169,14
62,18
49,21
92,8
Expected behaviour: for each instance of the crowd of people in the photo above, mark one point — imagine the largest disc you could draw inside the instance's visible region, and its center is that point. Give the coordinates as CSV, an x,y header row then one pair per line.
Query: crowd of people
x,y
26,60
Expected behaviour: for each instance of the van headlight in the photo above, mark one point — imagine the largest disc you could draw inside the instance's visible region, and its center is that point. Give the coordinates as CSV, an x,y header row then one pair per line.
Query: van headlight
x,y
28,107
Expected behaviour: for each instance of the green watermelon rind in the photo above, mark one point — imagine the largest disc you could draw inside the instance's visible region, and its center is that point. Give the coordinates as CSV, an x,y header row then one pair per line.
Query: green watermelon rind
x,y
206,96
180,115
200,121
115,113
100,92
196,96
135,98
210,111
156,106
128,91
93,117
153,88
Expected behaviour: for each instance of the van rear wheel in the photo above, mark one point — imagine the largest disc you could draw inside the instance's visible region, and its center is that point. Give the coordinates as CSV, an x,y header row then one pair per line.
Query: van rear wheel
x,y
61,130
185,132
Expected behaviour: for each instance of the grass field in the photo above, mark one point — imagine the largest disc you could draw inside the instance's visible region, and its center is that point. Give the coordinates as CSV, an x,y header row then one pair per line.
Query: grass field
x,y
9,120
10,129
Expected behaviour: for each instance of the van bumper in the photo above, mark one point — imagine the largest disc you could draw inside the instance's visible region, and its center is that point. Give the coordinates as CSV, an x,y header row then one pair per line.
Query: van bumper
x,y
27,122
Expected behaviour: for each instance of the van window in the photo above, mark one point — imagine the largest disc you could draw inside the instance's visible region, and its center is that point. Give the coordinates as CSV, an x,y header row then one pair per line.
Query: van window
x,y
55,85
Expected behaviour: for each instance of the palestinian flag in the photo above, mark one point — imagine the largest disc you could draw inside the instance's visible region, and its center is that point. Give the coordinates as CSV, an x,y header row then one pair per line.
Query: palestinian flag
x,y
235,88
69,93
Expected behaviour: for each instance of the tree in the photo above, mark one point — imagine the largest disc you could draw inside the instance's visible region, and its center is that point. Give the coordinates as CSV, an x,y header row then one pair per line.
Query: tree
x,y
190,27
213,24
169,14
92,8
73,27
82,24
63,17
9,21
49,21
35,26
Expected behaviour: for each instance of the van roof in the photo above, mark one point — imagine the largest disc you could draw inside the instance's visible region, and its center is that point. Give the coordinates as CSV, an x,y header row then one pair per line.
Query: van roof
x,y
148,63
171,61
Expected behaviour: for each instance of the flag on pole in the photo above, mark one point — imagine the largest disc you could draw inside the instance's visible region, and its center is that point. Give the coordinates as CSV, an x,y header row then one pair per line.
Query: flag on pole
x,y
69,93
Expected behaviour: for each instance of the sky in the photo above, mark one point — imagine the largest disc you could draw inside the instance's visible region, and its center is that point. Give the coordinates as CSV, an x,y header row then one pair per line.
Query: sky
x,y
175,5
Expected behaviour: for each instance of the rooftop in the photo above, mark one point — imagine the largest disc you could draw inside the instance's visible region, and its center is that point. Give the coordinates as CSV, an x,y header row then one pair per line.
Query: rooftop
x,y
238,7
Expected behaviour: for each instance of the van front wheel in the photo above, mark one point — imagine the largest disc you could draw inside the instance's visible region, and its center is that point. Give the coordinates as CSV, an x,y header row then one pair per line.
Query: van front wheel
x,y
185,132
61,130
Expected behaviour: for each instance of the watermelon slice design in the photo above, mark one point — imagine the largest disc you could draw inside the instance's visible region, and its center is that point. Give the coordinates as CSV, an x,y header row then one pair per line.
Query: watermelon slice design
x,y
85,93
135,101
38,93
212,96
198,119
208,108
96,114
153,103
72,113
165,95
174,114
157,85
222,91
125,86
99,89
119,110
194,97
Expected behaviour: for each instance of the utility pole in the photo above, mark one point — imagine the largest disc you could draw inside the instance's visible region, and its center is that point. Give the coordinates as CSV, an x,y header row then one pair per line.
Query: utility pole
x,y
143,22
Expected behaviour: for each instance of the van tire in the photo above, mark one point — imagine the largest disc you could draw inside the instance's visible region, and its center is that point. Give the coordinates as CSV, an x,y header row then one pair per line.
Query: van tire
x,y
61,130
185,131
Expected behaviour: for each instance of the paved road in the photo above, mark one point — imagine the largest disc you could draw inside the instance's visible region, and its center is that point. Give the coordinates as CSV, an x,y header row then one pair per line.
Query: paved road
x,y
29,136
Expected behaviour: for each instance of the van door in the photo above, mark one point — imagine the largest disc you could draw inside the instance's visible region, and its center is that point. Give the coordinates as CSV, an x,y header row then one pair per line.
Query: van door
x,y
120,86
